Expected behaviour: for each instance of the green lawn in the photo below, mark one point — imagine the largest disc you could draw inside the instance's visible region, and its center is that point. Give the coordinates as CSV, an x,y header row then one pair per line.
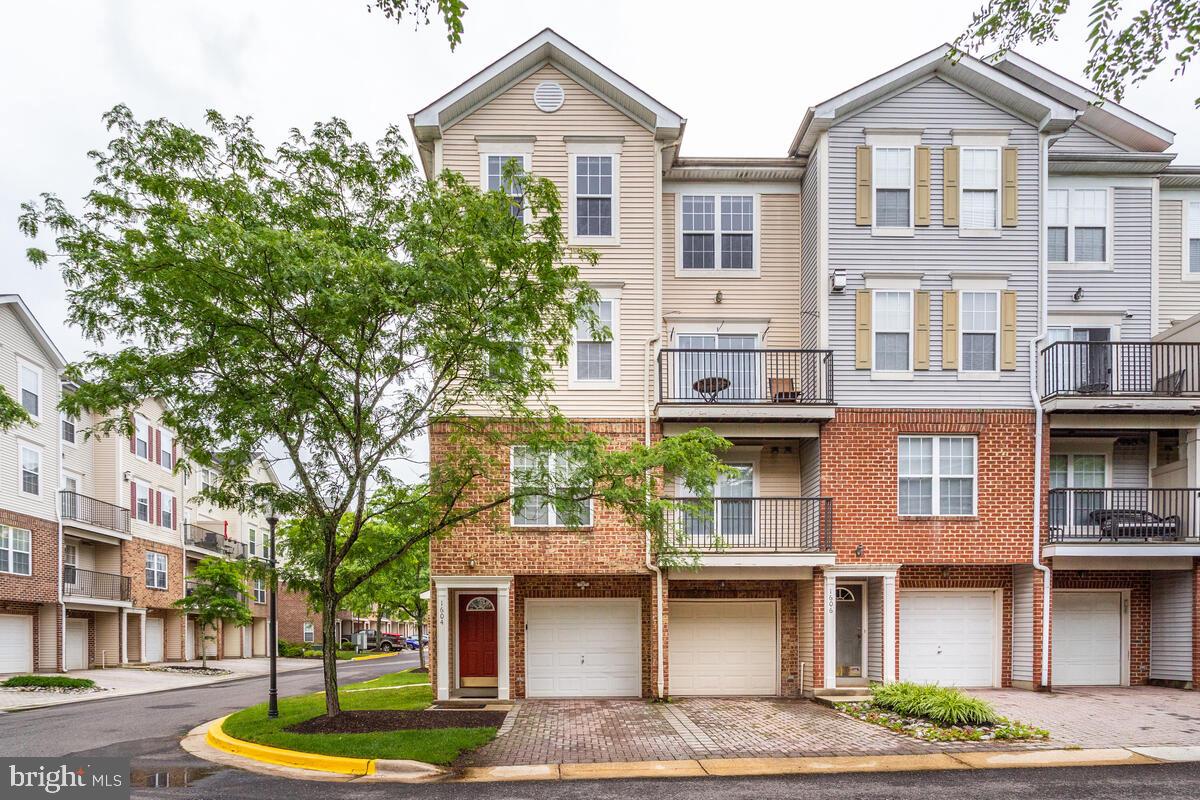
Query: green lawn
x,y
439,746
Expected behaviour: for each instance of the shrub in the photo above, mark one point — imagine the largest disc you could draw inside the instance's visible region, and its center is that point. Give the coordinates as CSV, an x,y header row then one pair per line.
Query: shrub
x,y
346,646
48,682
290,650
940,704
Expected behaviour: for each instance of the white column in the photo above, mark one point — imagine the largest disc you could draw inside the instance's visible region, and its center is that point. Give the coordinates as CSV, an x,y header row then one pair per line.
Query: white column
x,y
830,631
442,618
889,628
142,624
503,691
123,635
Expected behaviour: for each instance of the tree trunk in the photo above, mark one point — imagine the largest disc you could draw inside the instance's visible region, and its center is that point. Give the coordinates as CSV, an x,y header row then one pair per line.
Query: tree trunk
x,y
421,641
329,651
203,649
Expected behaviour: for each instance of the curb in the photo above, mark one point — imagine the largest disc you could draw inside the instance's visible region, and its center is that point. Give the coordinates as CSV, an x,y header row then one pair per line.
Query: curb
x,y
218,738
376,655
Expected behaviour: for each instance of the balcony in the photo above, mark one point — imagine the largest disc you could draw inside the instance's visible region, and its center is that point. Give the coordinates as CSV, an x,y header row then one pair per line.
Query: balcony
x,y
745,384
1121,376
1124,521
95,585
213,541
93,513
735,531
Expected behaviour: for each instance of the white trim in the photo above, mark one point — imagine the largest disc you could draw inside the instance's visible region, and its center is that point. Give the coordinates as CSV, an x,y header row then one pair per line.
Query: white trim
x,y
11,550
731,187
25,363
508,153
894,375
983,137
935,476
607,150
864,620
552,512
889,143
635,601
823,243
503,145
997,623
612,296
986,374
1071,186
37,449
718,269
1125,625
1187,274
892,280
889,628
992,230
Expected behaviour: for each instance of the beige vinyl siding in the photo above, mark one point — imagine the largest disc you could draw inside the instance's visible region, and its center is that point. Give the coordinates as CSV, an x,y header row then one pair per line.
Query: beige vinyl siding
x,y
779,473
108,638
772,296
631,262
810,467
49,620
79,458
158,477
17,343
173,636
106,457
1178,299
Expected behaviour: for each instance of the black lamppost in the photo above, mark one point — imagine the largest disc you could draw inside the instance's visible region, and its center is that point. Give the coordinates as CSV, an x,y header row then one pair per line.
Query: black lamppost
x,y
272,644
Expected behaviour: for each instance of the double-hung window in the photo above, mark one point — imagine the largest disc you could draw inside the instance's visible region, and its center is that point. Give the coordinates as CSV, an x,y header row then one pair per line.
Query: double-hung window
x,y
892,330
1079,473
1191,265
717,232
551,477
31,468
29,382
310,632
260,592
936,475
141,437
141,501
979,169
1077,226
253,540
67,427
980,313
166,510
156,570
15,550
893,180
595,351
594,192
504,173
166,450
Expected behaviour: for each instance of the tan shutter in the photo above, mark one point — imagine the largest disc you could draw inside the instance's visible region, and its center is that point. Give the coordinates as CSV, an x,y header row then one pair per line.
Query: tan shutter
x,y
949,330
1008,203
862,329
862,191
921,206
1008,330
921,330
950,187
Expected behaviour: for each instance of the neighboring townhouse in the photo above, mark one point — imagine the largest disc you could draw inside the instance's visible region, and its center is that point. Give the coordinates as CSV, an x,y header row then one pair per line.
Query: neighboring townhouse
x,y
952,341
31,622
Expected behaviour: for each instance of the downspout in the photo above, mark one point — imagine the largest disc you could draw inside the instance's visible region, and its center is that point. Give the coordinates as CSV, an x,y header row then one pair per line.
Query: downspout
x,y
1035,395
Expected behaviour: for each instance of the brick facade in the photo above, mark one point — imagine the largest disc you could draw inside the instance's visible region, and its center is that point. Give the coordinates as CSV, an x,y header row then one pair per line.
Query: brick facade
x,y
1137,584
41,586
133,564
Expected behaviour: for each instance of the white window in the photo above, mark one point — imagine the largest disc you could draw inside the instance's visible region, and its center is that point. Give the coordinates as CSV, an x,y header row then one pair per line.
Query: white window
x,y
166,449
893,181
29,382
892,330
260,592
595,350
936,475
310,632
141,505
31,469
207,479
594,193
720,366
979,168
141,437
496,165
1077,226
718,232
166,511
15,550
253,538
1192,261
731,519
550,474
156,570
1078,472
67,427
980,312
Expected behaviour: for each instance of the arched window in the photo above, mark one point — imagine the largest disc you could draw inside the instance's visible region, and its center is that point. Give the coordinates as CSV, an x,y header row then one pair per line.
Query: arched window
x,y
480,604
845,594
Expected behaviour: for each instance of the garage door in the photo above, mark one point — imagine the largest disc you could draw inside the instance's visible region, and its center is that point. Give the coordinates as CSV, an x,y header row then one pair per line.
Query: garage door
x,y
948,638
723,648
77,641
154,640
583,648
16,643
1086,639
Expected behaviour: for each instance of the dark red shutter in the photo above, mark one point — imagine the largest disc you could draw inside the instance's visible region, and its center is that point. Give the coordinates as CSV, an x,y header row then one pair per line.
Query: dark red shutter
x,y
156,442
158,507
133,438
133,499
174,516
174,450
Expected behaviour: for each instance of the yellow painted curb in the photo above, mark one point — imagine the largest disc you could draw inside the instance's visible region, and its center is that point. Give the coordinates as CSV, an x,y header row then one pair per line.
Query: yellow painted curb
x,y
517,772
1106,757
375,655
218,738
816,764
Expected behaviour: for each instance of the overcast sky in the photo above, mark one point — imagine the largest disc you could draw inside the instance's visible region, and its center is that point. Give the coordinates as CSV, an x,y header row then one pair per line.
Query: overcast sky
x,y
741,73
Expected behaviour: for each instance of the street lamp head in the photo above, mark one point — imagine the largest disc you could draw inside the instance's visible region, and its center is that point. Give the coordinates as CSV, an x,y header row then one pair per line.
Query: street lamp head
x,y
272,520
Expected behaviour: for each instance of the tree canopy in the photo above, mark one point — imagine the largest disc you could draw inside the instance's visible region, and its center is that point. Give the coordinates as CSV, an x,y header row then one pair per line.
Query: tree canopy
x,y
11,412
218,594
451,12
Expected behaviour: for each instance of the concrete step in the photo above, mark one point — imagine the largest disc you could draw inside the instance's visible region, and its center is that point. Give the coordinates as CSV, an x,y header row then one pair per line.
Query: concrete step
x,y
843,691
832,700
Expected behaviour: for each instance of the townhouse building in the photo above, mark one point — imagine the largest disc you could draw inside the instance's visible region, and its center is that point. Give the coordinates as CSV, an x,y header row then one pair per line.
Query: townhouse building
x,y
952,338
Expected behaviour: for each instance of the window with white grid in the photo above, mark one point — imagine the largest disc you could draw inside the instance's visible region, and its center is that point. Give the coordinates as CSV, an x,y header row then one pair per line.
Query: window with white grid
x,y
595,349
1058,221
503,175
717,232
31,469
29,379
1193,237
980,176
936,475
893,181
699,246
1077,227
594,195
156,570
980,312
15,552
550,475
892,330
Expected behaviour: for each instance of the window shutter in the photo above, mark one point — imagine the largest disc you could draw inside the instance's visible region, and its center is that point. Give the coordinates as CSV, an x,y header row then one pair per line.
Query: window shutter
x,y
921,330
862,329
158,506
1008,204
1008,330
862,186
133,436
150,499
921,201
949,330
156,440
174,453
133,499
950,187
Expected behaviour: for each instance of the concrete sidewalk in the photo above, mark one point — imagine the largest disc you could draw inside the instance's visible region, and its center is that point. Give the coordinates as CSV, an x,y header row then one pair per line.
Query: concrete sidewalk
x,y
123,681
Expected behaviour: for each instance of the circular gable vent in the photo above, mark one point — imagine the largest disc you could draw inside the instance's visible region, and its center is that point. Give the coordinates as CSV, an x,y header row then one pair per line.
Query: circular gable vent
x,y
548,96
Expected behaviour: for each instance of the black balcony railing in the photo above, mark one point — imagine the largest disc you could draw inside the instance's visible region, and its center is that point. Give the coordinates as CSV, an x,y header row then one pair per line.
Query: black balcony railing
x,y
95,585
214,541
771,524
1124,515
90,511
1121,369
738,377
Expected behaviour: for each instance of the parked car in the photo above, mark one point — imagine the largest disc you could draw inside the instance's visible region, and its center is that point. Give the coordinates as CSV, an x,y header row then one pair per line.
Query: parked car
x,y
385,643
411,642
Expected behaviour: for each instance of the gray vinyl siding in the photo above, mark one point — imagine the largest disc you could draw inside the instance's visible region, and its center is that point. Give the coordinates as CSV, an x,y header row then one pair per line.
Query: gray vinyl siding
x,y
1178,299
875,629
1077,140
1022,623
937,108
1171,626
810,467
1127,285
1131,463
810,255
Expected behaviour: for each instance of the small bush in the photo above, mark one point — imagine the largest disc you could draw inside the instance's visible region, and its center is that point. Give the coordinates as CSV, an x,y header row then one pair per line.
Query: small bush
x,y
346,646
940,704
48,682
290,650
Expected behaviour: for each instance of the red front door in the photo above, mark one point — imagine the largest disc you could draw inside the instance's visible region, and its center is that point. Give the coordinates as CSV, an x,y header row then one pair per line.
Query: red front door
x,y
477,640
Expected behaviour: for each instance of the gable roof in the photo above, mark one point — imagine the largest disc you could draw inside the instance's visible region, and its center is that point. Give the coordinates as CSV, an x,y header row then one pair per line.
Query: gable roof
x,y
1046,112
30,323
546,47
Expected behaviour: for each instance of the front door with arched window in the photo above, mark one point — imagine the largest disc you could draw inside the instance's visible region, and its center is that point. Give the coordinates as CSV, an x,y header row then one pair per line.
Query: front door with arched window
x,y
477,640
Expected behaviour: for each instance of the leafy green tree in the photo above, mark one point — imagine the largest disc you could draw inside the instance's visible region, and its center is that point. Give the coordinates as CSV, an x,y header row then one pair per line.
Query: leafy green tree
x,y
324,303
451,12
11,412
1124,47
218,594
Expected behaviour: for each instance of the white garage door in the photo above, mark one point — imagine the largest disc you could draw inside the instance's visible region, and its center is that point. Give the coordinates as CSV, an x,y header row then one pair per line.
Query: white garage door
x,y
1086,639
154,639
948,638
723,648
583,648
16,643
77,641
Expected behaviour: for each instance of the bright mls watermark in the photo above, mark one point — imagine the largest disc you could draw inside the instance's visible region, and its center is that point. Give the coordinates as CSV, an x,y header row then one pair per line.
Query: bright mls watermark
x,y
85,778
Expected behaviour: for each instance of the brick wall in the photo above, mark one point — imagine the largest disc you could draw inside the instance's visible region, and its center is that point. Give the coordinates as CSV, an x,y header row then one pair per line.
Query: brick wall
x,y
1138,584
859,470
41,586
133,564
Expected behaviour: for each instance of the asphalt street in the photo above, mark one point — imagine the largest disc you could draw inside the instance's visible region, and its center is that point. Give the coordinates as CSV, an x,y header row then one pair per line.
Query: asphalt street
x,y
147,729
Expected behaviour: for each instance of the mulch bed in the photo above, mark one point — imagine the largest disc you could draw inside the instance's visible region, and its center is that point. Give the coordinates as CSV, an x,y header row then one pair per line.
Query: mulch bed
x,y
420,671
377,721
